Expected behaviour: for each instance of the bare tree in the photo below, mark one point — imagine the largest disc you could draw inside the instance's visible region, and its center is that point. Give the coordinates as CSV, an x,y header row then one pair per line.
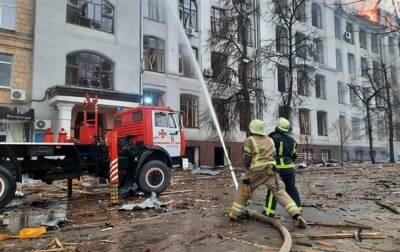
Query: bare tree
x,y
386,97
235,86
290,51
343,133
366,95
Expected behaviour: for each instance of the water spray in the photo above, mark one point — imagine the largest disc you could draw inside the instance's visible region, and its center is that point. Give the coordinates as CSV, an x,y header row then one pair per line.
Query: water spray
x,y
199,74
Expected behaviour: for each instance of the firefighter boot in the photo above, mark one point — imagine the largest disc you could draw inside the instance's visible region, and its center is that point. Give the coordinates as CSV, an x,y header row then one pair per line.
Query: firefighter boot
x,y
300,221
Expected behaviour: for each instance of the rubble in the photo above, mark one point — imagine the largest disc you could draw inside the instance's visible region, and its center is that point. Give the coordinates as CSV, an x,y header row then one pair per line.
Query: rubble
x,y
149,203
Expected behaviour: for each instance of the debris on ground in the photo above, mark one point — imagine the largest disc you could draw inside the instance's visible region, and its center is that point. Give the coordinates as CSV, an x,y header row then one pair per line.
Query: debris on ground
x,y
205,171
25,233
149,203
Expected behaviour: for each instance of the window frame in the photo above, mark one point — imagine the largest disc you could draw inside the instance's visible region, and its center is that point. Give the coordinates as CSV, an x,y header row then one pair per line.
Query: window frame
x,y
10,6
218,25
307,130
77,8
322,131
160,10
87,63
321,85
157,97
183,9
341,92
316,20
351,68
339,60
185,99
183,58
160,49
10,64
362,36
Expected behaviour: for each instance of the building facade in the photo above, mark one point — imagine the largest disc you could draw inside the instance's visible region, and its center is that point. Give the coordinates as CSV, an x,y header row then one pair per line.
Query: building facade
x,y
120,49
90,47
16,42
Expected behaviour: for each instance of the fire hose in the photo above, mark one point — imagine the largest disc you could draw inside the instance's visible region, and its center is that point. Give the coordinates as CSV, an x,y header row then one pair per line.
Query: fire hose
x,y
287,239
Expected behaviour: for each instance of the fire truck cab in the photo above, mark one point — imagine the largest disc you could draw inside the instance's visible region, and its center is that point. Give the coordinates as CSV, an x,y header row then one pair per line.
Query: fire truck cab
x,y
151,141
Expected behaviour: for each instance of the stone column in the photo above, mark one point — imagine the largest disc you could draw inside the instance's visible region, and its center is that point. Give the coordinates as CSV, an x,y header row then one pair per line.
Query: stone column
x,y
65,116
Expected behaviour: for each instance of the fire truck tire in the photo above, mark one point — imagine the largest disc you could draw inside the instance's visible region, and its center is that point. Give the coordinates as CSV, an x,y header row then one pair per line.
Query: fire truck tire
x,y
7,186
154,177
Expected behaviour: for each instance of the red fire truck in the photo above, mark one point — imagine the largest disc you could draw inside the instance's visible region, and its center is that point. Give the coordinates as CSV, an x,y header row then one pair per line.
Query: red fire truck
x,y
147,143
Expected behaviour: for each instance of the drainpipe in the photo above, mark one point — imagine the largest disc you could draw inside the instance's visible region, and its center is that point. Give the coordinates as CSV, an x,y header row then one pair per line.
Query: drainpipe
x,y
141,51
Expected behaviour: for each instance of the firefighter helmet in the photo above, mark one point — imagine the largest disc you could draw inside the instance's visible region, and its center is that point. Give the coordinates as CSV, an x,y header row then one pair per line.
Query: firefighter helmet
x,y
283,124
258,127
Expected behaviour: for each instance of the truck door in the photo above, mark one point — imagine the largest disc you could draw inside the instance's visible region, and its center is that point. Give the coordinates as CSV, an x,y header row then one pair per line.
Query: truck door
x,y
166,132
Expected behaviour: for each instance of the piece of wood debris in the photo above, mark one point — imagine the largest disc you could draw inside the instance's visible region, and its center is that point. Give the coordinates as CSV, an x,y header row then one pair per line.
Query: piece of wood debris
x,y
177,192
108,241
326,244
389,207
344,235
339,225
264,247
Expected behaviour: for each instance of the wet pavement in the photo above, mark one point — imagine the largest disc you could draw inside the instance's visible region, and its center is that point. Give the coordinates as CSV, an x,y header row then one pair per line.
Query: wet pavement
x,y
198,222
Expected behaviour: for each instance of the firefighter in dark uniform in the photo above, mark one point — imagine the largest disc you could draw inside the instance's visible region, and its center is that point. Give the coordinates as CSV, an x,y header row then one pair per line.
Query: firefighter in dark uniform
x,y
286,154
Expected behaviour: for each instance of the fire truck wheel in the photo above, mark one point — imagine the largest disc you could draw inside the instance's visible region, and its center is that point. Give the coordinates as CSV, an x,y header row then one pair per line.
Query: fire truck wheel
x,y
7,186
154,177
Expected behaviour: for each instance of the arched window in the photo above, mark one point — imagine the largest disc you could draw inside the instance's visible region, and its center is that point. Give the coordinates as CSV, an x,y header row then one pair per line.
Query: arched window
x,y
189,111
316,14
88,69
95,14
153,52
188,13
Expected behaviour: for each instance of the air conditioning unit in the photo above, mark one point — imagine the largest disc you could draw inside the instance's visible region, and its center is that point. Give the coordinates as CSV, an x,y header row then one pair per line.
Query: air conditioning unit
x,y
42,124
18,95
208,72
347,36
190,31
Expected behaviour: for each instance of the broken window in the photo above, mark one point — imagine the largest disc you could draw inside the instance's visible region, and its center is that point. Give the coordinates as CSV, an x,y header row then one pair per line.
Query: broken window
x,y
5,70
301,45
356,128
153,54
391,45
189,110
88,69
338,25
350,31
341,92
322,123
95,14
320,86
303,87
250,73
219,26
353,97
7,14
364,67
220,110
244,125
339,63
325,155
393,75
188,13
374,43
283,78
300,8
249,32
153,98
363,38
316,14
282,42
304,122
219,63
186,68
281,6
377,74
351,62
319,51
153,9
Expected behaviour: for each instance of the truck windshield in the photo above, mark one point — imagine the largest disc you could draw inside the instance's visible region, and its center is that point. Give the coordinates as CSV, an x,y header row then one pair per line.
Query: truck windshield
x,y
164,120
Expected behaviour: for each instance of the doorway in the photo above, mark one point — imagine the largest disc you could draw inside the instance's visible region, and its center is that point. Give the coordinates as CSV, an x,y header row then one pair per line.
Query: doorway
x,y
219,156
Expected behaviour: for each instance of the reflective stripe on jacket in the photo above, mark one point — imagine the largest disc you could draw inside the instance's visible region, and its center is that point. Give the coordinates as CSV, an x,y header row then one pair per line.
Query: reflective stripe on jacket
x,y
262,151
286,148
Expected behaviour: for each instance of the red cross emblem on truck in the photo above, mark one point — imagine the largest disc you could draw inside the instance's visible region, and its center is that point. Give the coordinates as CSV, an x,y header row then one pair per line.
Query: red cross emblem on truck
x,y
162,133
